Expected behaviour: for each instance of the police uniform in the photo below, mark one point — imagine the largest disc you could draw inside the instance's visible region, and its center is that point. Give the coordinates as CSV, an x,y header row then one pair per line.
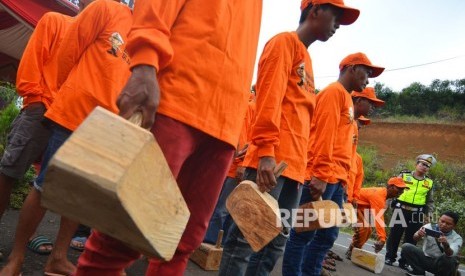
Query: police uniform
x,y
415,204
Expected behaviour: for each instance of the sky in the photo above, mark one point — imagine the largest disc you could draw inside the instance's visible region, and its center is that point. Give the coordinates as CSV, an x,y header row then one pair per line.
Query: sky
x,y
392,33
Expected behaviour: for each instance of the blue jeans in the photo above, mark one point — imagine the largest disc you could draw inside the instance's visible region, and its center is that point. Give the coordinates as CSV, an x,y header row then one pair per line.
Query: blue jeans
x,y
220,220
58,138
305,251
238,257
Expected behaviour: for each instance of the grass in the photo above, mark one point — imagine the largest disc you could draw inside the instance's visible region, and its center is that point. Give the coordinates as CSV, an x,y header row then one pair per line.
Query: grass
x,y
408,119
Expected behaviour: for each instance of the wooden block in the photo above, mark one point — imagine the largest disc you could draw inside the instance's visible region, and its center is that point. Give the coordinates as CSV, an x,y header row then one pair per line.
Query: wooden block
x,y
349,215
317,215
369,260
255,213
208,256
112,176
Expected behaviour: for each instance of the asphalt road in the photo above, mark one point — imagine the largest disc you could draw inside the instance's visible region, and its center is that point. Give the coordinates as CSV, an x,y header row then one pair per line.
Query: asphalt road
x,y
33,264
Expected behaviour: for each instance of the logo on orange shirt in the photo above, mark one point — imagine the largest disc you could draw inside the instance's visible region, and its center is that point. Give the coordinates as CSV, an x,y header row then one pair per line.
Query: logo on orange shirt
x,y
351,114
304,81
116,41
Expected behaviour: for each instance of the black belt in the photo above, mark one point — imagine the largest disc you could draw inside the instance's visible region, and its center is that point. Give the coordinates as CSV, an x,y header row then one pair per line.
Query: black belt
x,y
409,208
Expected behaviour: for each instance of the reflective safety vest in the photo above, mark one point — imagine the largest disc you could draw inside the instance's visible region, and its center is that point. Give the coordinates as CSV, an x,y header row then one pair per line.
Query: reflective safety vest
x,y
417,189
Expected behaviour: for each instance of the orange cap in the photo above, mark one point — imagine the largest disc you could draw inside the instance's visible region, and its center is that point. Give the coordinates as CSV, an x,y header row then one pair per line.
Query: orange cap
x,y
348,16
397,181
369,93
361,59
364,120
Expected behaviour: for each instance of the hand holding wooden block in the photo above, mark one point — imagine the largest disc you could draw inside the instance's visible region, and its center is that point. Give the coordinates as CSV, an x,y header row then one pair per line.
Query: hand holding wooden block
x,y
112,176
256,214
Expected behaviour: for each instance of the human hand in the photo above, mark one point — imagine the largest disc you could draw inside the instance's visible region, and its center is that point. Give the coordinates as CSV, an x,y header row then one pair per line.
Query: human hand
x,y
421,232
354,203
317,188
442,239
378,246
141,93
240,173
266,180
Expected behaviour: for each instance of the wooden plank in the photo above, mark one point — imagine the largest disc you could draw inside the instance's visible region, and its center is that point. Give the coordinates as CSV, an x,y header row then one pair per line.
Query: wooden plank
x,y
256,214
317,215
349,215
112,176
208,256
369,260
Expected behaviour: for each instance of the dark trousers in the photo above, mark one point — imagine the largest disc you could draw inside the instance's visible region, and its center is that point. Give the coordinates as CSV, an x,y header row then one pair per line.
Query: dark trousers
x,y
414,256
413,220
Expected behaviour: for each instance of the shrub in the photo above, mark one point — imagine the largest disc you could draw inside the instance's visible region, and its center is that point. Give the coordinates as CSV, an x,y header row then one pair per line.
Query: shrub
x,y
448,188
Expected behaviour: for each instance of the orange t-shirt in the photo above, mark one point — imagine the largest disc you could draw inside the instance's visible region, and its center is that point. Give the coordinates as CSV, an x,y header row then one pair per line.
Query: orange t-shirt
x,y
285,103
375,199
355,181
204,59
331,135
32,76
244,138
92,63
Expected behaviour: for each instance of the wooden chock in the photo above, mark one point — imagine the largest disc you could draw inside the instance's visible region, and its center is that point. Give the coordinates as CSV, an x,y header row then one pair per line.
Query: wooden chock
x,y
255,213
208,256
369,260
112,176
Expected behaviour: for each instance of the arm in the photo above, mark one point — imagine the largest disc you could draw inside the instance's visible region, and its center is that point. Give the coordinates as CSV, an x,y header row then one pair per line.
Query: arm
x,y
150,50
273,73
452,248
326,120
36,53
420,234
429,205
81,33
377,203
358,178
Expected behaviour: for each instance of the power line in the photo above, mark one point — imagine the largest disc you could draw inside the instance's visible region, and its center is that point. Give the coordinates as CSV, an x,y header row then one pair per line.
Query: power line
x,y
406,67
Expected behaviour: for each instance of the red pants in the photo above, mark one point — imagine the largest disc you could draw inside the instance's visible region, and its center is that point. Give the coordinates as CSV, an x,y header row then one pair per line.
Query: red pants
x,y
199,163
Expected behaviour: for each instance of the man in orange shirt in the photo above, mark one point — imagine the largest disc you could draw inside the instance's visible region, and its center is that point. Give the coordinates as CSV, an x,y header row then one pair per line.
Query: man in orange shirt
x,y
83,51
192,63
29,135
330,154
371,206
364,104
285,103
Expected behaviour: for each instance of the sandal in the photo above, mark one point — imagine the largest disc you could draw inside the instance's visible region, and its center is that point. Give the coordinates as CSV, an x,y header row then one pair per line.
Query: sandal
x,y
36,243
330,261
334,256
78,243
328,266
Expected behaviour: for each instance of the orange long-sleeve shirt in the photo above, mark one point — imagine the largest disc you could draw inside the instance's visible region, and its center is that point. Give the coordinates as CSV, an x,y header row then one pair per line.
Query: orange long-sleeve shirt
x,y
285,103
92,63
331,135
244,138
204,59
375,199
355,181
32,76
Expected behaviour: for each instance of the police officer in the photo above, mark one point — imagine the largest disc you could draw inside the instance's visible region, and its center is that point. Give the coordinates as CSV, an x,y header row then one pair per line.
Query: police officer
x,y
415,204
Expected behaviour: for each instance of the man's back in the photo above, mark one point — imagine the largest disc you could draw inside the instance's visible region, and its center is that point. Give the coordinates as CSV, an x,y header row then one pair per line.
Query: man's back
x,y
213,53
